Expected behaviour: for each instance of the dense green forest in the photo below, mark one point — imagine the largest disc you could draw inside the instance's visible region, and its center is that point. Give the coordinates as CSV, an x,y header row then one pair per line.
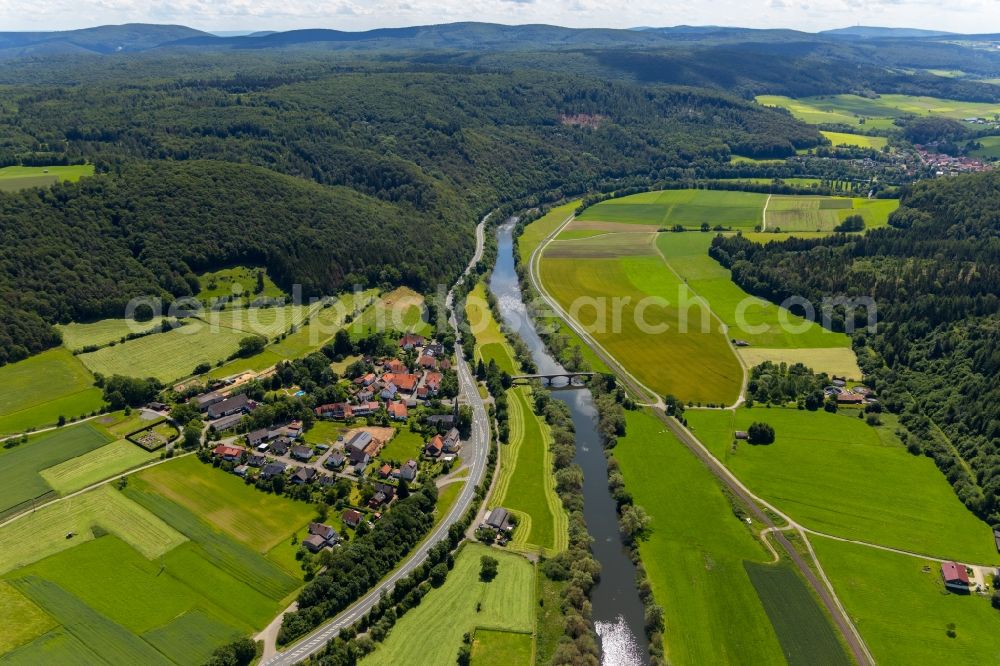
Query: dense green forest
x,y
934,357
392,167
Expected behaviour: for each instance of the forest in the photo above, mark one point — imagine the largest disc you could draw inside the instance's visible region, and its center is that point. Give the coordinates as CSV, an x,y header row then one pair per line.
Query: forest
x,y
934,355
327,177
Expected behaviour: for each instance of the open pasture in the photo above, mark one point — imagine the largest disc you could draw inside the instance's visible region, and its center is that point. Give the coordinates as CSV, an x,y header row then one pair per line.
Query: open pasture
x,y
265,322
257,519
400,310
35,392
859,140
878,112
525,484
491,344
533,233
95,466
237,281
834,361
607,245
22,466
990,148
633,306
192,637
42,533
99,333
688,208
835,474
814,213
507,604
323,325
20,177
694,553
899,605
166,356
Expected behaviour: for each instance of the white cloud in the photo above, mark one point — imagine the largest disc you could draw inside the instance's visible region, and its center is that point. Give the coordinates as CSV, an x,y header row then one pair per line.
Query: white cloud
x,y
957,15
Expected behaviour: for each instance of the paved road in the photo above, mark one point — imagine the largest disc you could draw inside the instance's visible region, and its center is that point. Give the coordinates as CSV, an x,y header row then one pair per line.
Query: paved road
x,y
475,452
822,588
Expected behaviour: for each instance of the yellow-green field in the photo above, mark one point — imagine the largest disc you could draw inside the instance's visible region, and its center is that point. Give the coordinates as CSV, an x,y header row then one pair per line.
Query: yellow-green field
x,y
21,619
836,361
491,345
879,112
818,213
266,322
19,177
77,336
103,463
542,227
859,140
990,148
239,282
400,310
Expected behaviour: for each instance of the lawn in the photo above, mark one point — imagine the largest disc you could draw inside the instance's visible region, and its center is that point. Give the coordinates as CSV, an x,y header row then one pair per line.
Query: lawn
x,y
447,497
835,474
805,633
257,519
637,308
35,392
501,648
42,533
99,333
535,232
899,605
695,553
525,484
22,466
689,208
238,281
835,361
506,604
990,148
19,177
21,620
404,446
166,356
103,463
859,140
747,317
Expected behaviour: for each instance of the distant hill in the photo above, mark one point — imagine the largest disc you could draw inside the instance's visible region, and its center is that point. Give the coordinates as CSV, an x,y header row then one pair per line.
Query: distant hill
x,y
102,39
871,32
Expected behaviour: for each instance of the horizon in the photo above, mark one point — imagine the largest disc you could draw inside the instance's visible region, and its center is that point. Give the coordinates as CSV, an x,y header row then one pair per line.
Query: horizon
x,y
231,16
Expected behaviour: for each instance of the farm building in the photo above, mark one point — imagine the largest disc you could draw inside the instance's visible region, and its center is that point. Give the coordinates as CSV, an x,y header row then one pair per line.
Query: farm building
x,y
229,406
499,520
955,577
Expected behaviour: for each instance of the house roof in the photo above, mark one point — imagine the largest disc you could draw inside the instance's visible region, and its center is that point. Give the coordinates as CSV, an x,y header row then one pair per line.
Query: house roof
x,y
398,409
434,379
436,443
359,440
321,529
411,339
954,573
351,516
227,451
229,404
850,398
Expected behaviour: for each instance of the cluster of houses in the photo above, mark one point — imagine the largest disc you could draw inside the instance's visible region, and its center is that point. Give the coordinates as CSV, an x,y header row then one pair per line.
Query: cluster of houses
x,y
946,164
847,397
394,385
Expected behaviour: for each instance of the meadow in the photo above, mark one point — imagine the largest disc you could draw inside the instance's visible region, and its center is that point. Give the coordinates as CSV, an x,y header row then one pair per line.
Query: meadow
x,y
525,484
400,310
816,213
20,177
266,322
535,232
696,365
99,333
878,112
501,648
23,465
694,553
96,465
166,356
990,148
835,474
259,520
859,140
491,344
834,361
899,605
404,446
35,392
237,281
506,604
22,620
689,208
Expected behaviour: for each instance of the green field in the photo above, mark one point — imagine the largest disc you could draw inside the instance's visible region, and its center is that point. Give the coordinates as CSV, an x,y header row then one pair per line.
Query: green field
x,y
102,463
835,474
859,140
239,281
321,328
35,392
878,112
166,356
689,208
805,633
42,533
899,605
817,213
259,520
501,648
265,322
834,361
695,553
746,317
990,149
22,466
404,446
535,232
21,619
19,177
400,310
99,333
491,344
525,484
433,630
649,341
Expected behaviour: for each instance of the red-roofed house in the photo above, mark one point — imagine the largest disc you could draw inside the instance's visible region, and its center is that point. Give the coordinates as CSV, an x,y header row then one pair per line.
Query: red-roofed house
x,y
230,453
406,383
433,382
426,361
396,367
384,471
397,411
336,410
411,340
435,446
955,577
850,399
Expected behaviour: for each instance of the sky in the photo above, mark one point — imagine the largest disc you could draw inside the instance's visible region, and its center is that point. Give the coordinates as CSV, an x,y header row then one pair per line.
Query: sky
x,y
971,16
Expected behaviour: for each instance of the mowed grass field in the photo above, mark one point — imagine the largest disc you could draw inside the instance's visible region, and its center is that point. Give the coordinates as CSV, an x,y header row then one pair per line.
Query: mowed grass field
x,y
525,484
21,467
689,208
878,112
694,553
35,392
400,310
746,317
533,233
432,632
77,336
501,648
19,177
835,474
632,306
835,361
903,611
819,213
859,140
96,465
259,520
22,620
491,345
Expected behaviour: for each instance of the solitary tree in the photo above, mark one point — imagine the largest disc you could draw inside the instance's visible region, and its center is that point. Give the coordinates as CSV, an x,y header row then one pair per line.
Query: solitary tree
x,y
488,567
760,433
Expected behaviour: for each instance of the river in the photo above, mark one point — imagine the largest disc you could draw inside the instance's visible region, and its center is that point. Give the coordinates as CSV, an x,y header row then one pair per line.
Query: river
x,y
617,609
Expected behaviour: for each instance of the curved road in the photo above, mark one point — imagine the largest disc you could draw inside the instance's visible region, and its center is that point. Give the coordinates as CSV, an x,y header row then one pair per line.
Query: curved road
x,y
823,588
476,450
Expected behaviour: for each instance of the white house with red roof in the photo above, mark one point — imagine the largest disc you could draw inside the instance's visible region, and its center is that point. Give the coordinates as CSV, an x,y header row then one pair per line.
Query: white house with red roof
x,y
955,577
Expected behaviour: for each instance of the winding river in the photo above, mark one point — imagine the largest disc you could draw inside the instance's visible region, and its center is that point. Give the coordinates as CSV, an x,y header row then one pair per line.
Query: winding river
x,y
617,609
